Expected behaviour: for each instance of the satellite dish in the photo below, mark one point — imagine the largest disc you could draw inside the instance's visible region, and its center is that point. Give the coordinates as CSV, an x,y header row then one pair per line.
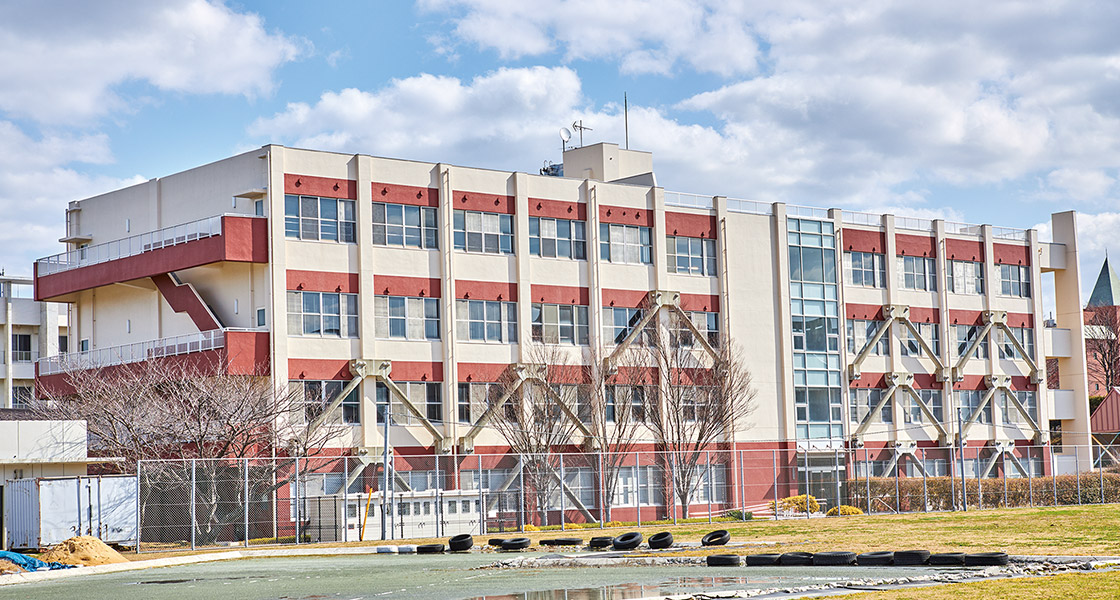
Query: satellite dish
x,y
565,134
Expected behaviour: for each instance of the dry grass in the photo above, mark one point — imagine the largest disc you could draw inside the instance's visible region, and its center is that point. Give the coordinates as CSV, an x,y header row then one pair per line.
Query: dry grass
x,y
1073,586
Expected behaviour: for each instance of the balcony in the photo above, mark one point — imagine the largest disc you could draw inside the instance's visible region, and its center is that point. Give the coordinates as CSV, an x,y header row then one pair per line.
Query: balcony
x,y
237,238
224,351
1059,342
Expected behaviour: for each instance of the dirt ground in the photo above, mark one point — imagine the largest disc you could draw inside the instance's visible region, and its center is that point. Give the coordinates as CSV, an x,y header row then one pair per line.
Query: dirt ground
x,y
83,550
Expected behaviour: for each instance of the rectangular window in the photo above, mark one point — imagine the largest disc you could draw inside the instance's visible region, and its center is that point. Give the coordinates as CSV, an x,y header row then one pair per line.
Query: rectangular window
x,y
21,347
1011,415
427,397
932,398
1007,351
1014,280
966,277
625,244
315,218
866,269
917,273
969,400
965,334
490,233
560,324
707,323
486,321
627,401
405,225
406,318
474,399
861,331
322,313
83,345
930,332
864,400
262,320
619,322
317,396
63,344
557,238
694,256
21,396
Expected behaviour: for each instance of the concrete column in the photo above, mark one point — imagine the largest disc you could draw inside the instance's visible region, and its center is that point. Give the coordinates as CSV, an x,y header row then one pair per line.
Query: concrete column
x,y
1072,371
944,328
893,274
445,174
787,412
523,261
361,167
277,257
595,287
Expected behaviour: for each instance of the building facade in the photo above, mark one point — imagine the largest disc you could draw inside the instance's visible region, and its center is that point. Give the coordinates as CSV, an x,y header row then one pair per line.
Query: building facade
x,y
369,280
28,330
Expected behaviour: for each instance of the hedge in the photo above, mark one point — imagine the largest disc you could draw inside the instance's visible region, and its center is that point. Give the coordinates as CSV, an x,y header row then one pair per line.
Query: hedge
x,y
939,491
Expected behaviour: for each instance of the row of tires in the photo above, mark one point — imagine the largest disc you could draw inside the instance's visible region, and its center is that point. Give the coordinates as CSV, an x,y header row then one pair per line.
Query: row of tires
x,y
877,559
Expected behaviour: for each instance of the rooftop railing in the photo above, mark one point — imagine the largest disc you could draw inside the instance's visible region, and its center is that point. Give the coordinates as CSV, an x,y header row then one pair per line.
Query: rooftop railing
x,y
133,353
956,228
851,217
1008,233
685,200
751,207
130,246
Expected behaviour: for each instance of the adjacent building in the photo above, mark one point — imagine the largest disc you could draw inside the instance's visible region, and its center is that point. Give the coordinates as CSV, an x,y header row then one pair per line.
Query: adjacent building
x,y
28,330
374,282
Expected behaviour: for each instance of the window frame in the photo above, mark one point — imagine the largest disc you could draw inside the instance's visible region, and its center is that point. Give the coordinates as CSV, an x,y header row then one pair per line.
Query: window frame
x,y
575,241
907,268
467,324
877,271
385,322
424,233
705,264
615,245
298,225
578,323
347,321
1014,280
464,229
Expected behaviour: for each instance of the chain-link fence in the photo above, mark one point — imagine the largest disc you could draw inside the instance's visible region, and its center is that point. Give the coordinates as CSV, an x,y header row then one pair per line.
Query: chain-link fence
x,y
245,502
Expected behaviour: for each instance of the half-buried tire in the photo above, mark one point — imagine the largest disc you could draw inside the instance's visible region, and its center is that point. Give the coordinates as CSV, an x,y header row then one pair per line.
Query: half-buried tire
x,y
796,559
496,542
627,541
875,559
562,542
661,540
834,559
903,558
718,537
515,544
985,559
723,560
461,542
429,549
761,560
600,541
947,559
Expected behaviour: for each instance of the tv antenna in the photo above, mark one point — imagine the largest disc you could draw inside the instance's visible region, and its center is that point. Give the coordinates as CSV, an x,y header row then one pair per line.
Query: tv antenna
x,y
578,126
565,136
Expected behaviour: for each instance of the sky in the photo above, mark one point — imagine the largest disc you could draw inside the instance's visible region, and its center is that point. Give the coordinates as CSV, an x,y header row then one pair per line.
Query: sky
x,y
999,112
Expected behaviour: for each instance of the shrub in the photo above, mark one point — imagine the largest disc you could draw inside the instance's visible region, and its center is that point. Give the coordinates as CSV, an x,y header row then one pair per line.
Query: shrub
x,y
941,493
738,515
798,504
843,511
531,527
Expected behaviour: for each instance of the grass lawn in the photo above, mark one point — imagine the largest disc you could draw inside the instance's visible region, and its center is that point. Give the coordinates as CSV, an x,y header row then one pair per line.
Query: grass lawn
x,y
1075,586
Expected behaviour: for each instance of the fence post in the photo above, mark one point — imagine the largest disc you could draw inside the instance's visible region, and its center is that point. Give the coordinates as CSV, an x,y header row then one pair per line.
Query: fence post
x,y
897,493
246,469
952,478
742,489
563,501
1053,474
774,459
673,485
867,475
836,474
1003,467
138,520
979,483
711,482
1077,470
1030,479
806,491
638,485
603,496
296,495
483,510
521,495
346,499
1100,470
439,501
193,484
925,489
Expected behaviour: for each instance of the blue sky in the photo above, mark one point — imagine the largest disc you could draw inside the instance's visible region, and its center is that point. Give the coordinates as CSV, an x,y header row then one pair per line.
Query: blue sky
x,y
1001,115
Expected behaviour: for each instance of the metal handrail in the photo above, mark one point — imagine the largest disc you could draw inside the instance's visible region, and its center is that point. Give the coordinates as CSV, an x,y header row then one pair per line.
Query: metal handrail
x,y
131,353
686,200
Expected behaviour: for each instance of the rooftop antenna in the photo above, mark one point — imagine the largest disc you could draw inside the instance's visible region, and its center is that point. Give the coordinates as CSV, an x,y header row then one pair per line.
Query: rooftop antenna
x,y
565,136
578,126
626,118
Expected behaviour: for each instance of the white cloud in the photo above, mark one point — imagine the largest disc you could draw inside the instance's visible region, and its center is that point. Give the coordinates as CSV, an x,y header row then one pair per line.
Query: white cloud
x,y
1081,184
66,64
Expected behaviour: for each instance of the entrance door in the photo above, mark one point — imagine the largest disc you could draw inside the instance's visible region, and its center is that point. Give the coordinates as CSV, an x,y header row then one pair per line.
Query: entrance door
x,y
825,476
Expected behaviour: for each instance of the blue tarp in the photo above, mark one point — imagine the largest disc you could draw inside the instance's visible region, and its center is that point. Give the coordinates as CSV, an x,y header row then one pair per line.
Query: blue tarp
x,y
31,563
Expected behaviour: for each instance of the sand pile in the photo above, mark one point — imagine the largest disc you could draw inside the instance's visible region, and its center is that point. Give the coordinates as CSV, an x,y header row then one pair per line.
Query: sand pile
x,y
83,550
8,568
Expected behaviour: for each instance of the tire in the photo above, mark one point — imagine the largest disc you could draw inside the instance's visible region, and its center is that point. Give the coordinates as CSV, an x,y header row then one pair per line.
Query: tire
x,y
497,542
515,544
796,559
834,559
661,540
875,559
602,541
761,560
461,542
430,549
723,560
718,537
985,559
903,558
947,559
562,542
627,541
406,549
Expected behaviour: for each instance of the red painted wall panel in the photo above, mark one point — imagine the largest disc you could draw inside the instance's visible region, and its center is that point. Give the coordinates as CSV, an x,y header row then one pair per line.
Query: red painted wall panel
x,y
861,240
964,250
1006,254
247,353
702,302
390,285
486,290
481,372
557,209
322,281
690,225
405,194
184,298
560,294
494,203
915,245
320,186
869,312
624,298
921,314
625,215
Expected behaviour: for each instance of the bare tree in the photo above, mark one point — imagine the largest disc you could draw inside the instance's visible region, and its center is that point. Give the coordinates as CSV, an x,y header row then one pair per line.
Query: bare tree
x,y
702,398
617,387
537,415
1102,344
